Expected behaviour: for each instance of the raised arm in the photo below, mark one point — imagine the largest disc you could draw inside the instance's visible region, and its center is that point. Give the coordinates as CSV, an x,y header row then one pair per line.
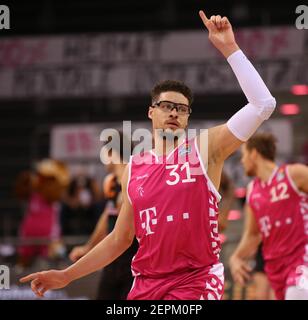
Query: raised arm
x,y
226,138
111,247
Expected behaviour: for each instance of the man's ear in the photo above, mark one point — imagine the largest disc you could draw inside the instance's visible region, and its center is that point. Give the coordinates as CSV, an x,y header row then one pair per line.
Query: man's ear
x,y
254,153
150,112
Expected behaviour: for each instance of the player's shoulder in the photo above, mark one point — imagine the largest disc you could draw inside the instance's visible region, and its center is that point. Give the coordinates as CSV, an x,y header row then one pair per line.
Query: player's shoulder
x,y
296,171
296,168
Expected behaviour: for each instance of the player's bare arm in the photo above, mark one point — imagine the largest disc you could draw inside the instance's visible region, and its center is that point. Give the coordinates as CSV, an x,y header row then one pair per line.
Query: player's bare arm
x,y
225,139
246,249
110,248
299,174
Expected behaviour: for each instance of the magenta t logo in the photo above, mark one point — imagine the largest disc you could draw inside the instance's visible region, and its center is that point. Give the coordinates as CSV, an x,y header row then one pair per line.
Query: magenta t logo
x,y
149,215
265,226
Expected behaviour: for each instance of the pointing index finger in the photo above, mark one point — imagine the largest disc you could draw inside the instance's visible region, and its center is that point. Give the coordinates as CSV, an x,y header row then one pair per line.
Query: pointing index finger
x,y
203,16
28,278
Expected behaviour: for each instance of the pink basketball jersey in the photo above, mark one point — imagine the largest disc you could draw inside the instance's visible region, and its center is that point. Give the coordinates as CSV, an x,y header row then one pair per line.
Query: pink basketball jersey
x,y
282,215
175,209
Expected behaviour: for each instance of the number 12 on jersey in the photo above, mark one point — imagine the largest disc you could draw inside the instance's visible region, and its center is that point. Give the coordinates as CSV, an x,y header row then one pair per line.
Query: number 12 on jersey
x,y
279,192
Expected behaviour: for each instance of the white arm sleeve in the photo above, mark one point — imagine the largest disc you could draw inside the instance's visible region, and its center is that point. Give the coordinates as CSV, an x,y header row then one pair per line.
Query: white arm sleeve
x,y
261,103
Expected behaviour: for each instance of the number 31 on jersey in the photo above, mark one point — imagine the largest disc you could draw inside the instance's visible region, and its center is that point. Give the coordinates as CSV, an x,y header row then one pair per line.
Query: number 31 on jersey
x,y
176,176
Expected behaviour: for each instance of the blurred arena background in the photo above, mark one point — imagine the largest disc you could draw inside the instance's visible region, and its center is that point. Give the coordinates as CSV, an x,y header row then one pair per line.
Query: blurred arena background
x,y
69,69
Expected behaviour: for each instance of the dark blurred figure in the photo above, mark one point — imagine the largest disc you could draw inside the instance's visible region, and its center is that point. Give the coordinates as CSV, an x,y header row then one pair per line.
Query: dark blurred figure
x,y
262,287
79,209
116,279
226,190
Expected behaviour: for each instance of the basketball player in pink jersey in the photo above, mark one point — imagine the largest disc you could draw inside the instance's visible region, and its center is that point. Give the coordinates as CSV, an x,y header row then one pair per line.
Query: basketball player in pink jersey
x,y
277,214
170,193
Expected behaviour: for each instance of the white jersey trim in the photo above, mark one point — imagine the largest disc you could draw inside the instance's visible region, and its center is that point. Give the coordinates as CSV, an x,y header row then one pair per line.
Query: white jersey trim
x,y
217,270
129,177
249,190
170,153
155,155
210,183
173,151
269,181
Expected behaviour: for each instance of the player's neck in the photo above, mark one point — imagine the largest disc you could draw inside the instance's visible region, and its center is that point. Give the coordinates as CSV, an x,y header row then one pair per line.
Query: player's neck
x,y
118,171
265,170
165,145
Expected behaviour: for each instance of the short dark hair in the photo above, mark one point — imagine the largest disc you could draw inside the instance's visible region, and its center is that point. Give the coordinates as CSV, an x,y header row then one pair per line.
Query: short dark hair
x,y
264,143
171,85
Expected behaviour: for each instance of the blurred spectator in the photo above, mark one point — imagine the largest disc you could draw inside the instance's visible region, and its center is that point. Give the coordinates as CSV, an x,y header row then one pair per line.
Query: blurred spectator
x,y
79,209
43,190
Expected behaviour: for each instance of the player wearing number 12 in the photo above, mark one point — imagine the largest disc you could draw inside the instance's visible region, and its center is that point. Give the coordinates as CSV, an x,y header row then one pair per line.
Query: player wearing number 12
x,y
277,214
170,203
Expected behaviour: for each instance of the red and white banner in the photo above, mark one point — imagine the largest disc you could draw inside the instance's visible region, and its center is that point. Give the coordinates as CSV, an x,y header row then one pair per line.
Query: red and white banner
x,y
83,142
126,64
